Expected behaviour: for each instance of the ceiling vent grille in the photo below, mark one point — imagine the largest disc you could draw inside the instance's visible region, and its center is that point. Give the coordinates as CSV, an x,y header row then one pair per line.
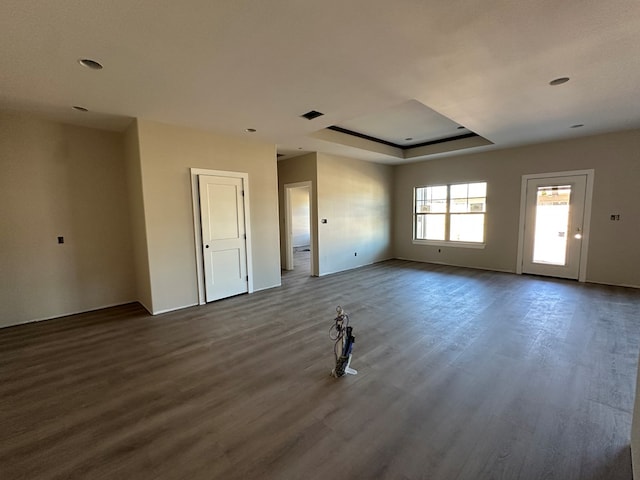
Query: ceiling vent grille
x,y
312,114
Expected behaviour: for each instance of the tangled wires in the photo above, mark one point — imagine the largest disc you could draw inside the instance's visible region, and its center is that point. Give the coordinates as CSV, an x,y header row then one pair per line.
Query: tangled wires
x,y
342,333
338,329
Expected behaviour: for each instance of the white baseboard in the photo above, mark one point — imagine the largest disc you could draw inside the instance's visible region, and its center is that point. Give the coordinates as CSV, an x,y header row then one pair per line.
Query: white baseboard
x,y
612,284
456,265
267,288
356,266
173,309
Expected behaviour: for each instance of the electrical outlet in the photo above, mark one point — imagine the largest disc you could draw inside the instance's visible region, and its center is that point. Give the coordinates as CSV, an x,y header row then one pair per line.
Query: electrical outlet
x,y
60,239
615,217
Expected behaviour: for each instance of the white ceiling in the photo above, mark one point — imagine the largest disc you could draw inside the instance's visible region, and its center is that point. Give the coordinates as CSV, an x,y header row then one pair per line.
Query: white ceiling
x,y
228,65
406,124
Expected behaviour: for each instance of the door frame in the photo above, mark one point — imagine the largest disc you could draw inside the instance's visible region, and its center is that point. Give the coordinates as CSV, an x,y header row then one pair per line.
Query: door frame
x,y
586,224
288,233
197,225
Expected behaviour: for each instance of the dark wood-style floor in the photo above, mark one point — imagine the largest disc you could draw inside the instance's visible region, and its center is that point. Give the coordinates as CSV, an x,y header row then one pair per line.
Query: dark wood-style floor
x,y
463,374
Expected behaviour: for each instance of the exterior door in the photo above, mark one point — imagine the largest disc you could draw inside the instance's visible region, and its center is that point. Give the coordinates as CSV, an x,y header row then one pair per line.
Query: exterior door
x,y
223,236
553,229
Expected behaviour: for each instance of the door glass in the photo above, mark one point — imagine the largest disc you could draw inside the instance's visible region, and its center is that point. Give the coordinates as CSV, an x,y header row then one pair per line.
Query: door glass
x,y
552,223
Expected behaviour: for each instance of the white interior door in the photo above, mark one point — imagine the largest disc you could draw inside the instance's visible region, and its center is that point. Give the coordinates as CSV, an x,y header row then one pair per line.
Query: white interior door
x,y
554,225
223,236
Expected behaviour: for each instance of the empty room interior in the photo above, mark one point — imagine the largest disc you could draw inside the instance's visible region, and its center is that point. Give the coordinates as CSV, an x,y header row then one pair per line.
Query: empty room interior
x,y
190,190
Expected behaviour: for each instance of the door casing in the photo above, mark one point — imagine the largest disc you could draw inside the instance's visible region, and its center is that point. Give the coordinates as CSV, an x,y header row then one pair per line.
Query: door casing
x,y
288,263
197,227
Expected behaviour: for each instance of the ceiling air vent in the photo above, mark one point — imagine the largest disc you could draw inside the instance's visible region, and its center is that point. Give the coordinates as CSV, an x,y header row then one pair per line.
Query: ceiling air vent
x,y
312,114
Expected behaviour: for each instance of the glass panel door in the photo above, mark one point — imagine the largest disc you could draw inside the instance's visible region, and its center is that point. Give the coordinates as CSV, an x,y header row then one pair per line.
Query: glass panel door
x,y
553,226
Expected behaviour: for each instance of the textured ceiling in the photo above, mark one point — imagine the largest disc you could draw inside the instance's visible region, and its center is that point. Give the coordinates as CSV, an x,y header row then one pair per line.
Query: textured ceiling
x,y
229,65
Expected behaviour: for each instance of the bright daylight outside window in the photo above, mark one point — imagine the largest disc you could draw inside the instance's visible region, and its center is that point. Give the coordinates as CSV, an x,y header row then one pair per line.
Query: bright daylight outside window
x,y
451,213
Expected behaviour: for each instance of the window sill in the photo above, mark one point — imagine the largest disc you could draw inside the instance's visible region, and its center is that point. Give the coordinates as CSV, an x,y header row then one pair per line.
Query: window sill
x,y
444,243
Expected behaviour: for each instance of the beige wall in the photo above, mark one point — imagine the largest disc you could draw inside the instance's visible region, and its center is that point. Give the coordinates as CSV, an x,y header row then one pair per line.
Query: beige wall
x,y
355,197
70,181
294,170
614,256
138,224
61,180
167,153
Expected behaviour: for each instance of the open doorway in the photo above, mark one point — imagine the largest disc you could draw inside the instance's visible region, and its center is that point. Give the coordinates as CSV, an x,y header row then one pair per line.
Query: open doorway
x,y
298,232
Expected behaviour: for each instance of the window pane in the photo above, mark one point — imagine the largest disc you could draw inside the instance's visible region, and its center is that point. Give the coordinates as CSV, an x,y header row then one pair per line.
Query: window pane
x,y
431,199
477,205
468,198
433,206
459,205
437,206
478,189
439,192
430,227
421,199
459,191
467,228
451,212
437,199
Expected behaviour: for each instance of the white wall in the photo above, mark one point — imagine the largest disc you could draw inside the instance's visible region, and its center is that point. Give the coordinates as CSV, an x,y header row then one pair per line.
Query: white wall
x,y
61,180
355,197
614,256
166,154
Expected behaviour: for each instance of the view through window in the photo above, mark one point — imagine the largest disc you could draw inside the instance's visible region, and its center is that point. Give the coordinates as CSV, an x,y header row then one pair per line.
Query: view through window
x,y
454,213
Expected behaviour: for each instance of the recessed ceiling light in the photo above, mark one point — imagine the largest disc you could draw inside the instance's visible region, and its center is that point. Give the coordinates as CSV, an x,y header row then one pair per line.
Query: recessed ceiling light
x,y
408,139
577,125
80,109
92,64
250,130
559,81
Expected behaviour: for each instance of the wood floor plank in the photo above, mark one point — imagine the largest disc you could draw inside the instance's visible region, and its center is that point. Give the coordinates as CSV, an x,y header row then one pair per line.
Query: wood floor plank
x,y
463,374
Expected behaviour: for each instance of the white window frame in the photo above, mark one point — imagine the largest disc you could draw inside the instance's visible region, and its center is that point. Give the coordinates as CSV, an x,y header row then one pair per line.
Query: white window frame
x,y
447,243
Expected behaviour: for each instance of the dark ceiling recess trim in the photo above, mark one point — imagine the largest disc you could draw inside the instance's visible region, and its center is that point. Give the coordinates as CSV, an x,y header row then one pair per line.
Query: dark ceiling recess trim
x,y
335,128
442,140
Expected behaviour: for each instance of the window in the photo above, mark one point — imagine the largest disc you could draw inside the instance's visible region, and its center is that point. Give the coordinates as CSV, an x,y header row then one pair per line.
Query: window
x,y
450,213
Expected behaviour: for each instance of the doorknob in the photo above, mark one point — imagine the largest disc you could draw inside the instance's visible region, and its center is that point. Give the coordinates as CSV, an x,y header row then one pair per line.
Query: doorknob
x,y
578,234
